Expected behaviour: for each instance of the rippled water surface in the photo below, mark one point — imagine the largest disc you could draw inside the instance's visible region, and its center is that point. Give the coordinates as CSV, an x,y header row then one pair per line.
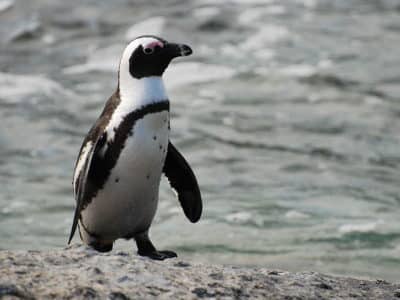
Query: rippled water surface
x,y
288,112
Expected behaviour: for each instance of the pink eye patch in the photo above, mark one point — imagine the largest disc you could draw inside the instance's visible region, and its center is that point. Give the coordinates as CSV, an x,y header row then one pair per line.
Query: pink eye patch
x,y
152,45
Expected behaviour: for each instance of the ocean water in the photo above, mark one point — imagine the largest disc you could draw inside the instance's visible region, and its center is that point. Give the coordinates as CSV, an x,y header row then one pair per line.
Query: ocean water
x,y
288,111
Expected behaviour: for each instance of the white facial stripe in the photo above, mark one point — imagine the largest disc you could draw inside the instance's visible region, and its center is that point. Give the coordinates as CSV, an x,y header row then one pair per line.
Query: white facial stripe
x,y
132,88
135,93
124,74
144,41
141,91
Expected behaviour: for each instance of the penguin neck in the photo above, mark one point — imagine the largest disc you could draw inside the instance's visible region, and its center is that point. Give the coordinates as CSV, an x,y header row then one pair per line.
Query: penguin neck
x,y
136,93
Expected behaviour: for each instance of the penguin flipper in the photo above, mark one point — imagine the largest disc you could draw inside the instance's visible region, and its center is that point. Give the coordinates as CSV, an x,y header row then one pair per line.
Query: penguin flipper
x,y
183,181
82,185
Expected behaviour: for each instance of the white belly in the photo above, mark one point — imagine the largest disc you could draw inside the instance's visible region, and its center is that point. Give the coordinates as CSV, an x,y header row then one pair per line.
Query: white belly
x,y
128,201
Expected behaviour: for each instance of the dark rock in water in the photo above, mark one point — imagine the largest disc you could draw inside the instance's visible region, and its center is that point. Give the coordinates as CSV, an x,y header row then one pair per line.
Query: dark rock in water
x,y
25,30
81,273
214,25
397,293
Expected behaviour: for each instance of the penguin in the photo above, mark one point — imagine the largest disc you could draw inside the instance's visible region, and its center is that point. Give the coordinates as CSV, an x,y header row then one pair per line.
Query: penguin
x,y
120,163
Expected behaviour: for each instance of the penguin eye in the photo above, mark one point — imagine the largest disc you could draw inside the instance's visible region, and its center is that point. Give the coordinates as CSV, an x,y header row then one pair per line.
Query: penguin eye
x,y
148,50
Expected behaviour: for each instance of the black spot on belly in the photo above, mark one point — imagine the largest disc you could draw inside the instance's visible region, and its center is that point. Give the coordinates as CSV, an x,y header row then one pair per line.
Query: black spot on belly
x,y
154,137
104,161
117,179
148,176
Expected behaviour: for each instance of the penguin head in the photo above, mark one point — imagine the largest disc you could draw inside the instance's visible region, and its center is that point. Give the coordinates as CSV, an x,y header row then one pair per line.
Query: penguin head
x,y
148,56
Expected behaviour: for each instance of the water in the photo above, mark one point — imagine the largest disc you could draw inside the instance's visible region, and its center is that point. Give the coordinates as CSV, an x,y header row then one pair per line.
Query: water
x,y
287,111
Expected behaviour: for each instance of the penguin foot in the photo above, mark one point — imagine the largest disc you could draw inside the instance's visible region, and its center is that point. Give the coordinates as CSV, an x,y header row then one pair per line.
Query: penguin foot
x,y
101,247
159,255
146,248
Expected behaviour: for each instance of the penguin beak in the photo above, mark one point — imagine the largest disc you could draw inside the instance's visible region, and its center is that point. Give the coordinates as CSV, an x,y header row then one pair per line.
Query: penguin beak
x,y
176,50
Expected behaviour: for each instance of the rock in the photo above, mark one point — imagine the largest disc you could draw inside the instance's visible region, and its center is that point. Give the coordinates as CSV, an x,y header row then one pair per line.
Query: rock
x,y
78,272
13,290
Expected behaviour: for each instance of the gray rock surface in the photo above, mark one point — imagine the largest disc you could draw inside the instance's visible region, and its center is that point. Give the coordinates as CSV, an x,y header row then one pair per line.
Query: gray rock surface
x,y
78,272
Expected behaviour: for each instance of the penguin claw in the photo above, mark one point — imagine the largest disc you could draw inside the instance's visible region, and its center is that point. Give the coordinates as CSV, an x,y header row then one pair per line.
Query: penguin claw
x,y
159,255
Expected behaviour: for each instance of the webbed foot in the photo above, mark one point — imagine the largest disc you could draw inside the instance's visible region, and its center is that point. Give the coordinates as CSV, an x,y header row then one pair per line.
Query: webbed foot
x,y
146,248
158,255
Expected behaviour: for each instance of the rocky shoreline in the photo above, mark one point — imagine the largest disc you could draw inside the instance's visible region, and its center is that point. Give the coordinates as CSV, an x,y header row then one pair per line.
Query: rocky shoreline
x,y
78,272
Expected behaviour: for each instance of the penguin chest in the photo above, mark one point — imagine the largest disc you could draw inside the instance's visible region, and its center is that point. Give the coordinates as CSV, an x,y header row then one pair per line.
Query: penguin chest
x,y
128,201
142,159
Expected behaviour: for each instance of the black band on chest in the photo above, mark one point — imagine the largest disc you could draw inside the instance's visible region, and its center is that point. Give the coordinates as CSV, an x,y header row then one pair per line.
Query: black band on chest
x,y
102,165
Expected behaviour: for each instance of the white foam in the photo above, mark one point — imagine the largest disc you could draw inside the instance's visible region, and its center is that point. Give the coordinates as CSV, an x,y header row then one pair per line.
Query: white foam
x,y
308,3
28,27
275,10
265,54
231,50
17,88
325,64
14,206
193,72
100,60
300,70
251,16
294,214
248,16
48,39
245,2
152,26
363,227
6,4
268,34
373,100
239,217
206,13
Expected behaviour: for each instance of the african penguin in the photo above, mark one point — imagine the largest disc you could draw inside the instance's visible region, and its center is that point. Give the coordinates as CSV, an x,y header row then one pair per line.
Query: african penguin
x,y
119,167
